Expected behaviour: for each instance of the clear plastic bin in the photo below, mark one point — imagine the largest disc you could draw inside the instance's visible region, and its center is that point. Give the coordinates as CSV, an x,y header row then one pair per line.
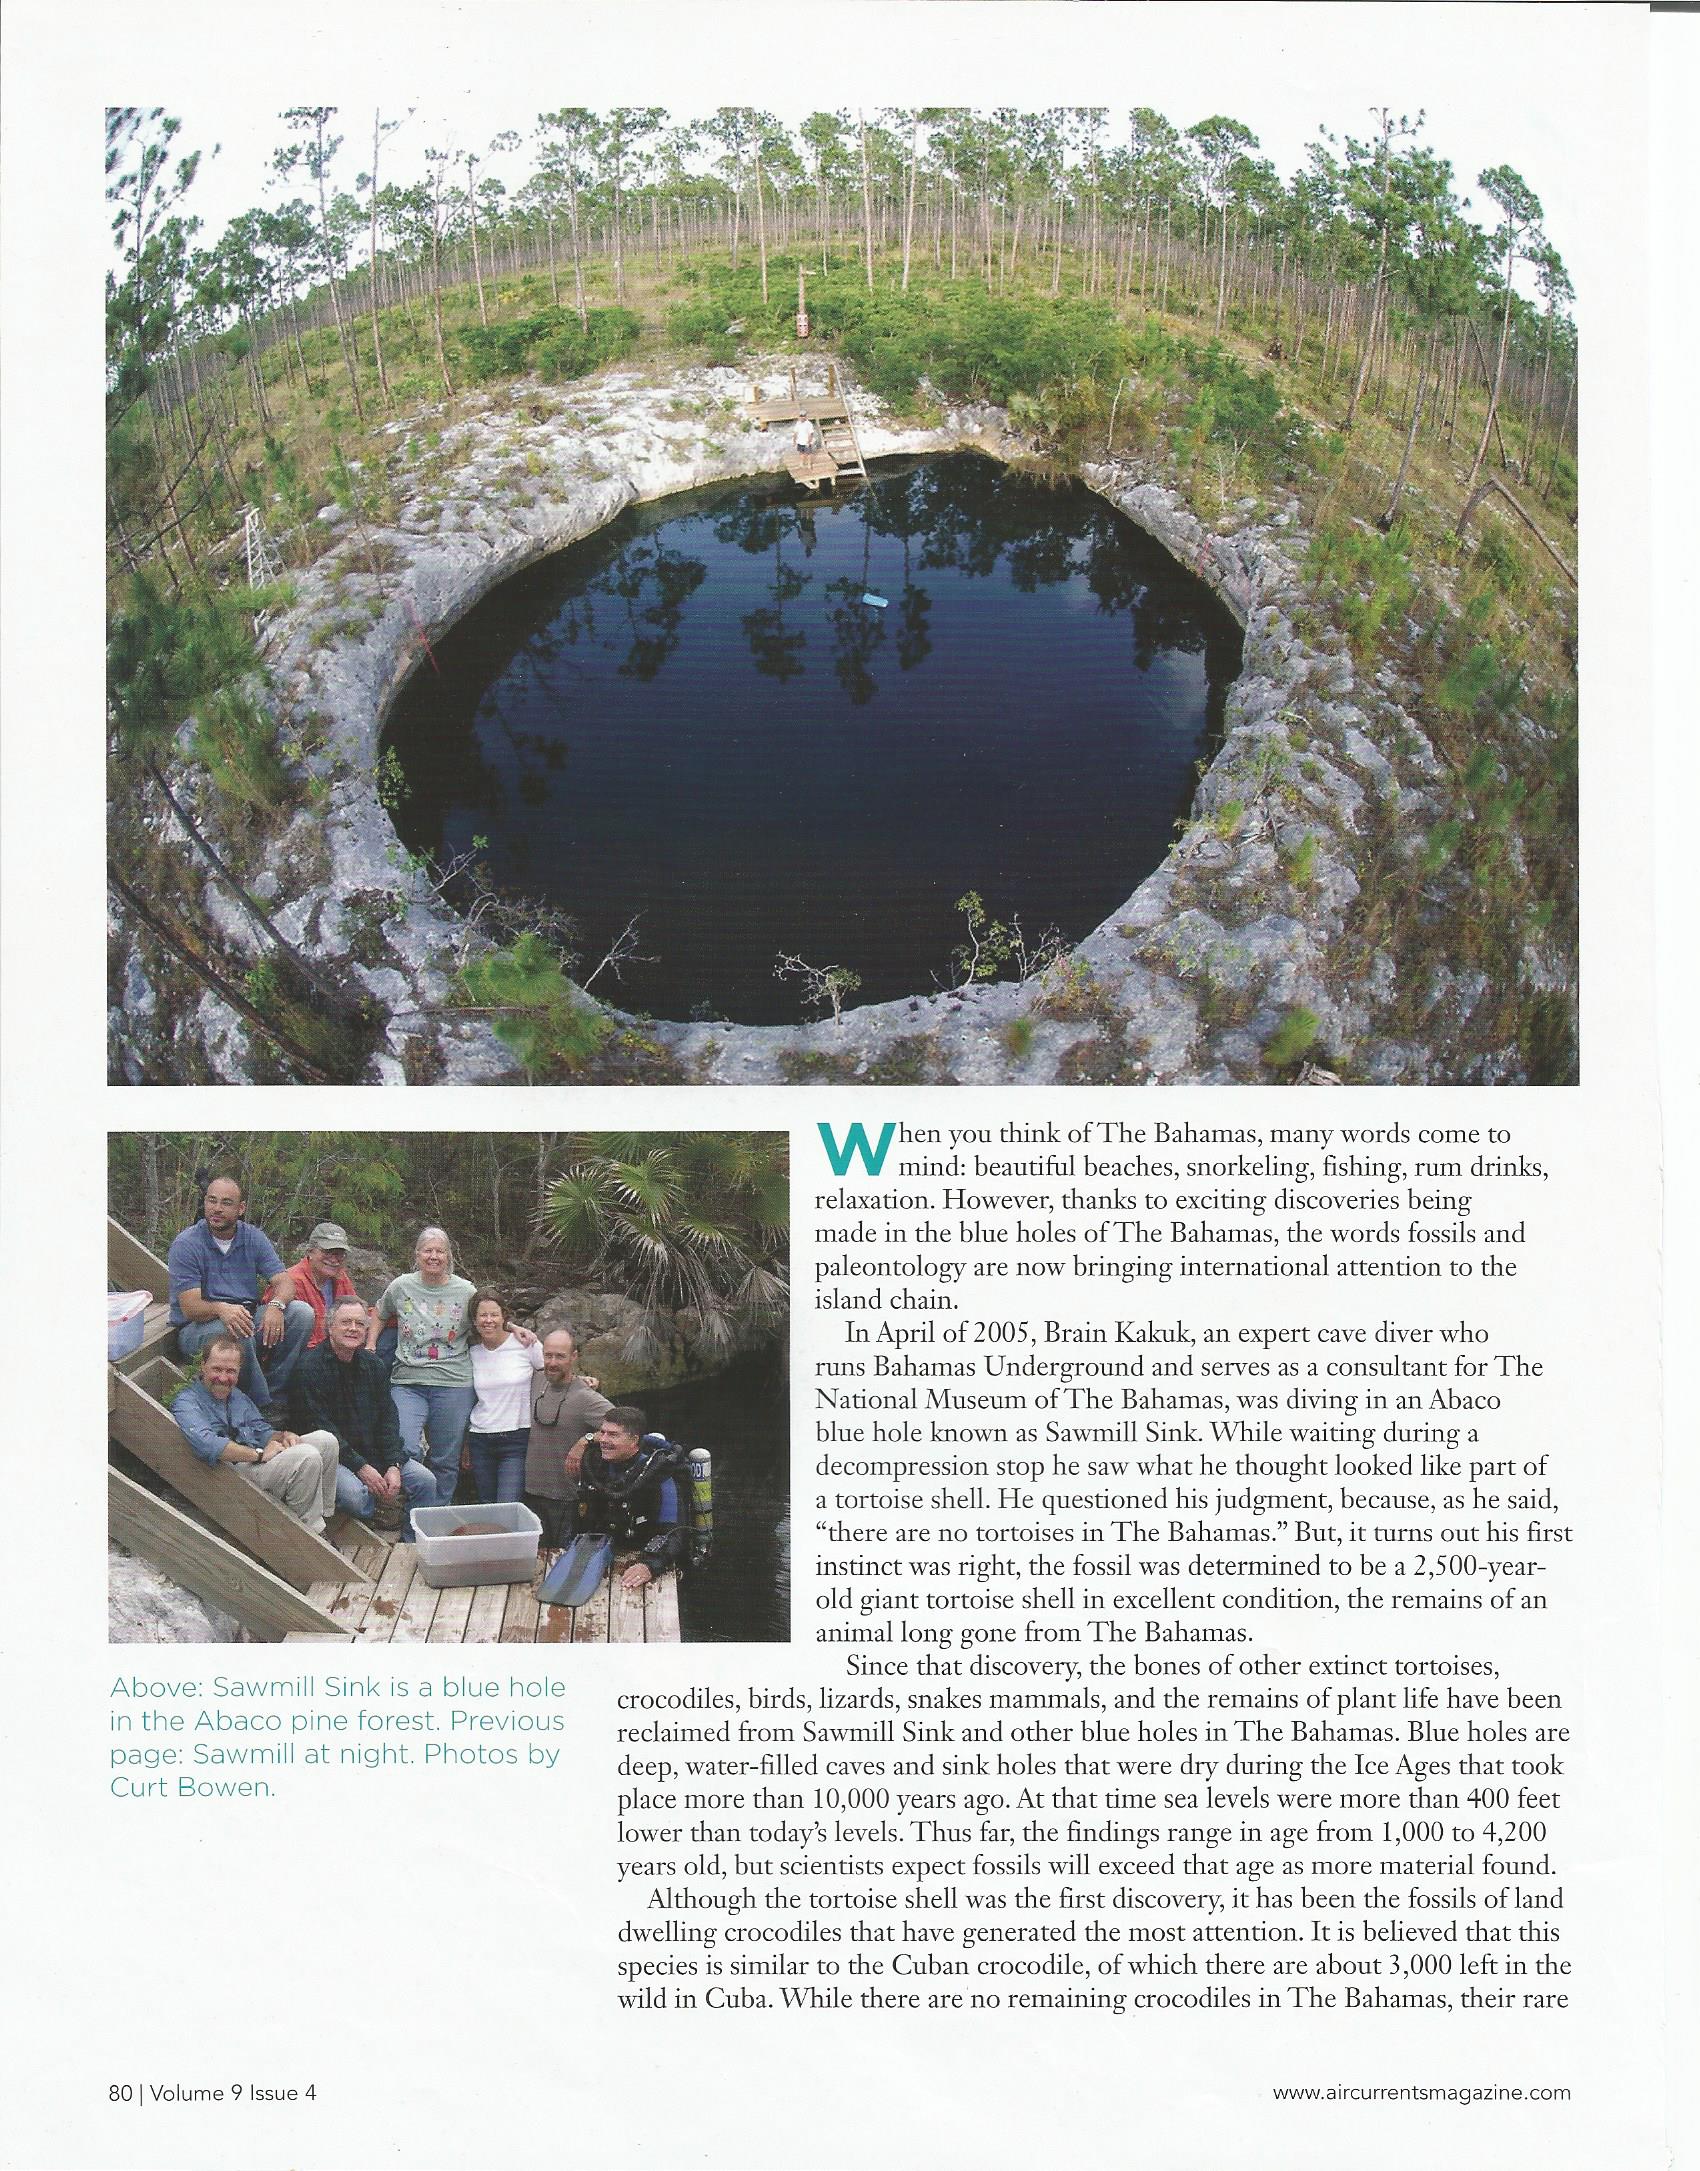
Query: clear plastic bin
x,y
503,1549
126,1314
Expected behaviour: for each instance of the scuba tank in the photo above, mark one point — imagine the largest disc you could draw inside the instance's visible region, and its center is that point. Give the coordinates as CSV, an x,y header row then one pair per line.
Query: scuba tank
x,y
694,1469
702,1505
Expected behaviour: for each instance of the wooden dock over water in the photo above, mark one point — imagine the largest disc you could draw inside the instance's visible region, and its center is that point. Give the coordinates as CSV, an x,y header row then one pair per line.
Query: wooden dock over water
x,y
392,1603
221,1538
840,452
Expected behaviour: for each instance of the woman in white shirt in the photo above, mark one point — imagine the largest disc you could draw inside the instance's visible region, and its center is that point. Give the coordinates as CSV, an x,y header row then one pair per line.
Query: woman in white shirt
x,y
503,1359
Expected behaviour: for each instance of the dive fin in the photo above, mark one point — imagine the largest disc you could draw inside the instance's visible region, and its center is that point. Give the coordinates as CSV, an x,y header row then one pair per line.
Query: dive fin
x,y
577,1576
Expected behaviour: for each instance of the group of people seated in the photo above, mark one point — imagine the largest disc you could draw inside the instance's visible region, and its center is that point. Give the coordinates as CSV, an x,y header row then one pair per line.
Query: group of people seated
x,y
327,1404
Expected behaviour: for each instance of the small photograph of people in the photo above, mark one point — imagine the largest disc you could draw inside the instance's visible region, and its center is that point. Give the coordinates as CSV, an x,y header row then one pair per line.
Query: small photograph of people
x,y
468,1387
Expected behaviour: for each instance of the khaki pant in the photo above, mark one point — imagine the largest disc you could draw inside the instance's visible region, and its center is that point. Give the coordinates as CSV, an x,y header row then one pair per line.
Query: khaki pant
x,y
300,1479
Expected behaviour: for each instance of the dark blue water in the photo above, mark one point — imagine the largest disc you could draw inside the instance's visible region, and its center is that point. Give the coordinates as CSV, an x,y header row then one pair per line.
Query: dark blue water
x,y
742,1416
695,718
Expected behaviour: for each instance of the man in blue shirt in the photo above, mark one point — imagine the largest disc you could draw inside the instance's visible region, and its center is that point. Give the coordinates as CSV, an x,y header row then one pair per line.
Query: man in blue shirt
x,y
217,1268
222,1426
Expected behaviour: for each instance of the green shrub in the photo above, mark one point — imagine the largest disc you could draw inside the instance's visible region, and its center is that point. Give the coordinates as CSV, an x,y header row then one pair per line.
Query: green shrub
x,y
1017,1037
1366,577
553,343
541,1016
1440,845
1293,1039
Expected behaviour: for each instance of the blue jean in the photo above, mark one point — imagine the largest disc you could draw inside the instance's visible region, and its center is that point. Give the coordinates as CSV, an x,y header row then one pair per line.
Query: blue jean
x,y
264,1380
418,1490
498,1463
440,1416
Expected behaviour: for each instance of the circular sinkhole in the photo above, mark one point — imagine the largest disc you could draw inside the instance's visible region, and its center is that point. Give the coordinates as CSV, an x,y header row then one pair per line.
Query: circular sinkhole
x,y
771,726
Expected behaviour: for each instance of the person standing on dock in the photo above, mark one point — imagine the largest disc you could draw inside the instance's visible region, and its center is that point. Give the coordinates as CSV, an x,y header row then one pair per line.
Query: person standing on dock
x,y
431,1379
565,1411
505,1359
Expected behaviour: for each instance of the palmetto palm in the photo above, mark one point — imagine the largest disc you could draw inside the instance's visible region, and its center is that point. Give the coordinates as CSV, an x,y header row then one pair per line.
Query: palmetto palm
x,y
676,1220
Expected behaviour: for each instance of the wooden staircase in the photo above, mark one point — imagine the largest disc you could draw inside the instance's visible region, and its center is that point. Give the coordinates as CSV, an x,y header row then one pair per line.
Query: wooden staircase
x,y
263,1564
840,451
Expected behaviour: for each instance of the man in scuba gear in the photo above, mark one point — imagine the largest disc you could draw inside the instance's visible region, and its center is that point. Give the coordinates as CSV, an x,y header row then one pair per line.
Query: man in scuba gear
x,y
634,1490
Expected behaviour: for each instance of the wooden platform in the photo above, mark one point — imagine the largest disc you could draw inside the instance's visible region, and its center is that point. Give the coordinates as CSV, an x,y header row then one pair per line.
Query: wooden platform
x,y
819,407
396,1605
839,453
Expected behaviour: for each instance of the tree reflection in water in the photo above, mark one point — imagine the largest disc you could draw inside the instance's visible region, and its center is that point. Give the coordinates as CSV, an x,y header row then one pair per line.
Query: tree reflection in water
x,y
695,716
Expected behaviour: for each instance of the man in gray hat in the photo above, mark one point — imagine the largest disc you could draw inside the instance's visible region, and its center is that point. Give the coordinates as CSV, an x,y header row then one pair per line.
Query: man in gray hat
x,y
319,1278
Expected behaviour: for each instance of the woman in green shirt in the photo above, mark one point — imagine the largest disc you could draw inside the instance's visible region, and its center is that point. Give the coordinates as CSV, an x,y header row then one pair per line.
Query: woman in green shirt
x,y
431,1379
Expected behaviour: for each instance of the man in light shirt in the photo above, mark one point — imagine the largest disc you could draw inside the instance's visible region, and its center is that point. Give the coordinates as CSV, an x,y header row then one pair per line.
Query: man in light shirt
x,y
222,1426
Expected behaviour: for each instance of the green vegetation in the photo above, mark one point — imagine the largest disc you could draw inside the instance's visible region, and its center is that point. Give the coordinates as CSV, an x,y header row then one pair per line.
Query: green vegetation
x,y
552,1030
1365,577
698,1219
1118,284
552,345
666,1218
1292,1040
999,949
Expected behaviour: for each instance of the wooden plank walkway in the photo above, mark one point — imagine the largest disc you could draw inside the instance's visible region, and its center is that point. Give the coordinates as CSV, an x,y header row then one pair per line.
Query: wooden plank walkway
x,y
398,1606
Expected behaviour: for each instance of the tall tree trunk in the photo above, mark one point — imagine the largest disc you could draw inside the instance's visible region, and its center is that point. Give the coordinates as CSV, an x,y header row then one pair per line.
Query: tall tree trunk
x,y
437,315
1558,440
761,227
377,339
619,252
330,284
578,261
867,204
1498,372
1392,512
477,267
909,213
1222,274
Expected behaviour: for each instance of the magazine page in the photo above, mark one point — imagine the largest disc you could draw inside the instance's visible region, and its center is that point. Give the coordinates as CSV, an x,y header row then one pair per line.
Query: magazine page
x,y
764,1500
